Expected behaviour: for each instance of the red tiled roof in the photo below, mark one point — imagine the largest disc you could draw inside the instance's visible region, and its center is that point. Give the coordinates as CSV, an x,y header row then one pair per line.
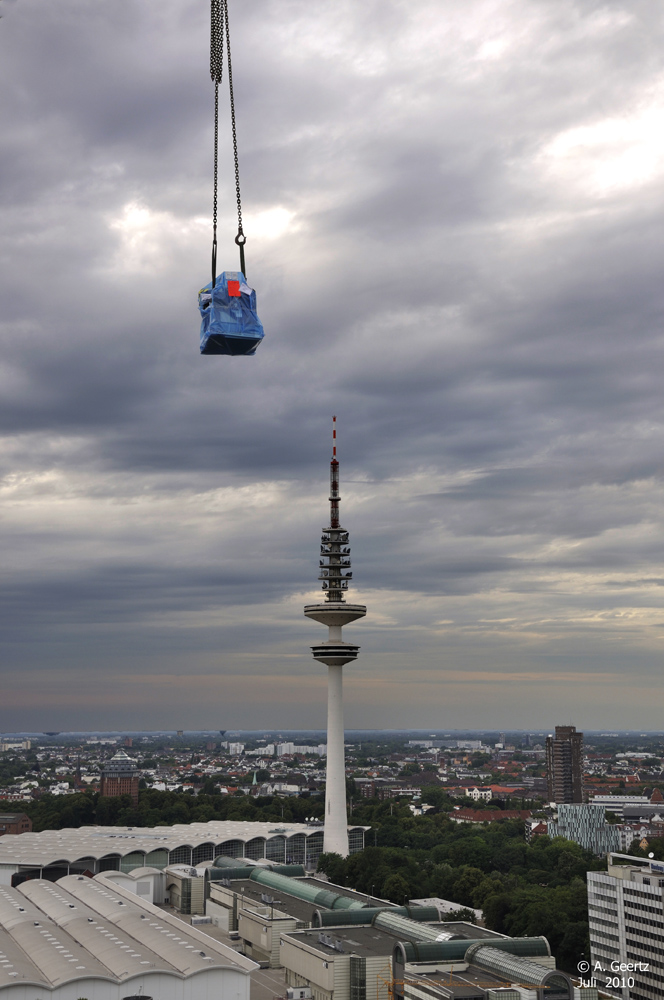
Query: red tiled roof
x,y
502,790
489,815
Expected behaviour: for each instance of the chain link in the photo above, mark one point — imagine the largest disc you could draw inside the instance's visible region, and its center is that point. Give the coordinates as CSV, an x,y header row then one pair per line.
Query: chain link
x,y
216,70
219,30
216,41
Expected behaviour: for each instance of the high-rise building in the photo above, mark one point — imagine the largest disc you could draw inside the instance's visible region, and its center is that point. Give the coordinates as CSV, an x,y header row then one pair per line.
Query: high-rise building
x,y
626,918
564,765
585,825
120,777
335,653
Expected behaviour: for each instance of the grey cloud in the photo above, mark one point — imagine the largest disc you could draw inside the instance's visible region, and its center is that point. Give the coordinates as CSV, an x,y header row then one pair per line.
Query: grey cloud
x,y
486,325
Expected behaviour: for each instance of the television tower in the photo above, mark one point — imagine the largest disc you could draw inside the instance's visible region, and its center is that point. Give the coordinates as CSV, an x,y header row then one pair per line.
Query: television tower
x,y
335,653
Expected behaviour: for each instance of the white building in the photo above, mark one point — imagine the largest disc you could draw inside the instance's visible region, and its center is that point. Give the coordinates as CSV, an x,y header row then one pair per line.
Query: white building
x,y
83,937
626,917
478,794
280,788
54,853
148,883
616,803
284,749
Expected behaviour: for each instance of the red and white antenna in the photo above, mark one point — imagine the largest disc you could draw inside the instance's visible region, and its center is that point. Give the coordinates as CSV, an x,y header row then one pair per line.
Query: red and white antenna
x,y
334,479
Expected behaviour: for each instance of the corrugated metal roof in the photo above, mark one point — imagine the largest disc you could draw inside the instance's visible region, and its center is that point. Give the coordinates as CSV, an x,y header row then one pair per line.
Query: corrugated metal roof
x,y
80,928
52,846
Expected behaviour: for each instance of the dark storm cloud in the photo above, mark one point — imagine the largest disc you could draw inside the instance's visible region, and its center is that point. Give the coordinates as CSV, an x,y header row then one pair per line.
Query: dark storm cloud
x,y
454,219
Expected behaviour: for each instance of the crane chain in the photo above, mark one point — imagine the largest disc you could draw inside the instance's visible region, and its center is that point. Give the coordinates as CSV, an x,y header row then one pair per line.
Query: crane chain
x,y
216,71
219,32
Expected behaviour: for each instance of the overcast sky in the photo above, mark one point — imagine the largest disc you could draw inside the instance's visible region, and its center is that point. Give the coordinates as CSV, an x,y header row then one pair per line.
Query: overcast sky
x,y
455,228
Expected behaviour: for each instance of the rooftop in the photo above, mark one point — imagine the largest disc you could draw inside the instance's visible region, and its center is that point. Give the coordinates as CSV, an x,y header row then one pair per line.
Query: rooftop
x,y
300,909
472,983
80,928
94,842
365,942
369,942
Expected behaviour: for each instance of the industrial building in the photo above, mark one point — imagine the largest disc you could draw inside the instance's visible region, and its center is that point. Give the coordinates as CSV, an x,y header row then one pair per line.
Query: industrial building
x,y
337,944
55,853
260,904
616,803
83,937
626,917
14,823
148,883
184,888
120,776
489,970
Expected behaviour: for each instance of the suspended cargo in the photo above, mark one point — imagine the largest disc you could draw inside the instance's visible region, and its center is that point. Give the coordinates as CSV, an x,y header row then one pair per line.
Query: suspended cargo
x,y
229,323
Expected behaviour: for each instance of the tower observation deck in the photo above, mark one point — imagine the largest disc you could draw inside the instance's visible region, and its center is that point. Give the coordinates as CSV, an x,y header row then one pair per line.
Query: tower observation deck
x,y
335,574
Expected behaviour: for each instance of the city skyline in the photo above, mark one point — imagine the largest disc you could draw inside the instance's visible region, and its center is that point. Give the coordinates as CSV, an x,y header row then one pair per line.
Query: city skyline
x,y
453,222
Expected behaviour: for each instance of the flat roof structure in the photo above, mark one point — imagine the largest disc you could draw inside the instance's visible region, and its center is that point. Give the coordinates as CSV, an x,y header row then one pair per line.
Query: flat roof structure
x,y
55,853
371,941
365,942
301,909
472,983
109,943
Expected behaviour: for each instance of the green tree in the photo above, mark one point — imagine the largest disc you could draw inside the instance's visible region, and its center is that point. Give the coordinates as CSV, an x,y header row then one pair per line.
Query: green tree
x,y
463,913
334,866
396,888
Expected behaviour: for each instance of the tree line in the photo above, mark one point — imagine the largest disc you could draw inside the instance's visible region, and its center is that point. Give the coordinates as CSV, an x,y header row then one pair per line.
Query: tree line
x,y
523,889
155,808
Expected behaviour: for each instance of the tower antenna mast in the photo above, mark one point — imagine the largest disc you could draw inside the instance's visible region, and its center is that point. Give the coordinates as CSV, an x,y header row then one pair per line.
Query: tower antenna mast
x,y
335,575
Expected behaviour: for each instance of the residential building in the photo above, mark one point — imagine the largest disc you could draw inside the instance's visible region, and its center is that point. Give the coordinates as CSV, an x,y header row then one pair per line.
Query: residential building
x,y
487,815
483,792
564,764
585,825
286,749
626,918
629,832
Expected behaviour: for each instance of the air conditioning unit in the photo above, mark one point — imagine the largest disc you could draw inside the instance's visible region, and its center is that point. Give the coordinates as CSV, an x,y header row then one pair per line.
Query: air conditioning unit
x,y
298,993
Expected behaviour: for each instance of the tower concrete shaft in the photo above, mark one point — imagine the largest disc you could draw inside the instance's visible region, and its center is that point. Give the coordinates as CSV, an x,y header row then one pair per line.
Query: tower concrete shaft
x,y
335,653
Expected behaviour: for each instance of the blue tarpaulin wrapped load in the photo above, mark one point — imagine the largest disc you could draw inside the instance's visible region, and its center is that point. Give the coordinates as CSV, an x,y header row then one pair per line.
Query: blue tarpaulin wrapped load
x,y
230,324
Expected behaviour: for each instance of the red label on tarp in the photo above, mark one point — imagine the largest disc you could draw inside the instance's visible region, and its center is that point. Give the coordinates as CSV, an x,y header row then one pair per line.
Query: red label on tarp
x,y
234,289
